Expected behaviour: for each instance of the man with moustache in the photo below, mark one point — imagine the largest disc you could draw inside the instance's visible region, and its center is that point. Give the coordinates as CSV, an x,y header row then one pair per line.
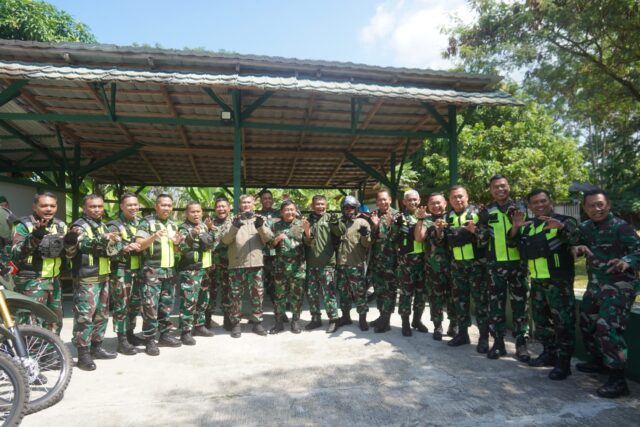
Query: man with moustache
x,y
468,269
507,270
321,261
612,248
124,282
384,259
158,237
38,252
544,244
437,264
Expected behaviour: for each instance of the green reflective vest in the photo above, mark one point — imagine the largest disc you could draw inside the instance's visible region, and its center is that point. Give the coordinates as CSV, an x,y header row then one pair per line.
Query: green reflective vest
x,y
465,252
44,267
161,253
500,225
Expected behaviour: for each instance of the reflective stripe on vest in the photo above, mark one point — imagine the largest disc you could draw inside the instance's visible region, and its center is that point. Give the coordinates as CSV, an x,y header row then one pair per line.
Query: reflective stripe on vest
x,y
501,229
539,267
463,253
134,260
418,247
206,259
167,256
104,264
50,266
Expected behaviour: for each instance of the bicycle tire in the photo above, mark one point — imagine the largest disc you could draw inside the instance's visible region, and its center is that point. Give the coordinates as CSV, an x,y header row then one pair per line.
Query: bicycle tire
x,y
48,366
14,392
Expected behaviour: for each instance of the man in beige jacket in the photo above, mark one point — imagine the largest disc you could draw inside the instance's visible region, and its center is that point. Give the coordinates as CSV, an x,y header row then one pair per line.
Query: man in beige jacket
x,y
246,238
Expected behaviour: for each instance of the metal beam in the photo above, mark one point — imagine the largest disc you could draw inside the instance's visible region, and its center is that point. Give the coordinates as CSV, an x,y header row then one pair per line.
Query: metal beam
x,y
108,160
13,131
246,113
12,91
217,99
453,145
368,169
436,115
107,105
46,179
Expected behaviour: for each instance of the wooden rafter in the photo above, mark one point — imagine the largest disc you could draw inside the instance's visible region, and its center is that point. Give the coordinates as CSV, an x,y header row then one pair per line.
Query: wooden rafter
x,y
307,119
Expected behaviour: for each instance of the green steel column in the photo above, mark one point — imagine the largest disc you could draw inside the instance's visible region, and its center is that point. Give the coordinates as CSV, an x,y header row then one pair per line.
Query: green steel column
x,y
237,150
452,131
75,183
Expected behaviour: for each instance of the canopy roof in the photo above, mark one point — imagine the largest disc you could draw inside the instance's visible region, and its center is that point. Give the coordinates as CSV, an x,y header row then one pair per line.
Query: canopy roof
x,y
154,116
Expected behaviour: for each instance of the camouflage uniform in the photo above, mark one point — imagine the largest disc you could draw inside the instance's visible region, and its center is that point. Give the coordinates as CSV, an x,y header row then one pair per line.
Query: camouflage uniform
x,y
410,273
289,267
216,278
271,217
551,268
158,275
321,260
124,272
91,266
195,259
507,271
609,297
438,275
468,270
384,263
352,253
38,276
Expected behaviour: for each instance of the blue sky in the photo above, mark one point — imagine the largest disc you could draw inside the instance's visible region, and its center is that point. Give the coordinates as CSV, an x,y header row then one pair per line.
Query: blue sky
x,y
405,33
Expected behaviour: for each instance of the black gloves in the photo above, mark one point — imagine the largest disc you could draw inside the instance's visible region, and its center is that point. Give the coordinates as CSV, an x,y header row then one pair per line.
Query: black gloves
x,y
259,222
333,219
399,220
363,230
70,238
39,232
237,221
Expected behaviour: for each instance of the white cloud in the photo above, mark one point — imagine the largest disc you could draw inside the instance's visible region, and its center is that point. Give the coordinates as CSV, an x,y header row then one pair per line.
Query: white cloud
x,y
409,33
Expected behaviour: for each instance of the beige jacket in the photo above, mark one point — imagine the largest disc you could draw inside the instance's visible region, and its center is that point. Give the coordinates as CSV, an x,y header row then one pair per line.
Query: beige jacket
x,y
246,243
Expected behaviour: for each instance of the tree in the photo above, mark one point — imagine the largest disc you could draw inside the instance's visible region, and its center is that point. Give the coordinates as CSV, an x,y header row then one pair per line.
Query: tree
x,y
524,144
40,21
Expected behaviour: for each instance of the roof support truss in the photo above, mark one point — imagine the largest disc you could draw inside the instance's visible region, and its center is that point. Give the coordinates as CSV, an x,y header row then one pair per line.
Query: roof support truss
x,y
12,91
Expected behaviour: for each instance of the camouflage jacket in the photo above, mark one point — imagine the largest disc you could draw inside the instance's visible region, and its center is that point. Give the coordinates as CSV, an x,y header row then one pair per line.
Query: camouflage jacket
x,y
384,251
292,246
220,250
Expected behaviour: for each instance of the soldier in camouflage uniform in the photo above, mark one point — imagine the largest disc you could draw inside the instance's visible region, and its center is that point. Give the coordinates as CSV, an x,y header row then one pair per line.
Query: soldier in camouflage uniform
x,y
508,272
612,248
195,251
289,266
217,276
384,259
410,273
158,238
468,269
246,238
90,245
271,216
355,240
544,244
124,273
38,253
437,264
321,260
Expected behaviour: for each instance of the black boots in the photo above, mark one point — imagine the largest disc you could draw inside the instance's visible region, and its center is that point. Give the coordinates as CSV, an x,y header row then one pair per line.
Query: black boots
x,y
562,369
362,322
295,324
85,361
452,330
202,331
187,338
314,324
437,331
522,354
333,326
226,324
151,348
406,327
417,324
235,329
615,386
278,327
594,366
497,350
548,357
461,339
207,321
98,352
382,324
124,347
167,340
258,329
345,319
135,340
483,341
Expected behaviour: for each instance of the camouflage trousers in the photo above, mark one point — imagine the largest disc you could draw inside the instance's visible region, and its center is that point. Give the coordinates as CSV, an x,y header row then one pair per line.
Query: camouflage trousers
x,y
603,319
553,307
268,278
90,311
471,283
120,289
384,284
239,280
135,300
351,288
217,281
289,275
438,284
45,291
512,279
157,302
411,283
190,290
321,280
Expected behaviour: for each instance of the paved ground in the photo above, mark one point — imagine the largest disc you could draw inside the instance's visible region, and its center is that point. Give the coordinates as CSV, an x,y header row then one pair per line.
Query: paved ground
x,y
350,378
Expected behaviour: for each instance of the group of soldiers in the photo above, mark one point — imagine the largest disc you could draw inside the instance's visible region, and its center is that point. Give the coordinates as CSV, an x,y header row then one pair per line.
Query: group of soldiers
x,y
448,253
